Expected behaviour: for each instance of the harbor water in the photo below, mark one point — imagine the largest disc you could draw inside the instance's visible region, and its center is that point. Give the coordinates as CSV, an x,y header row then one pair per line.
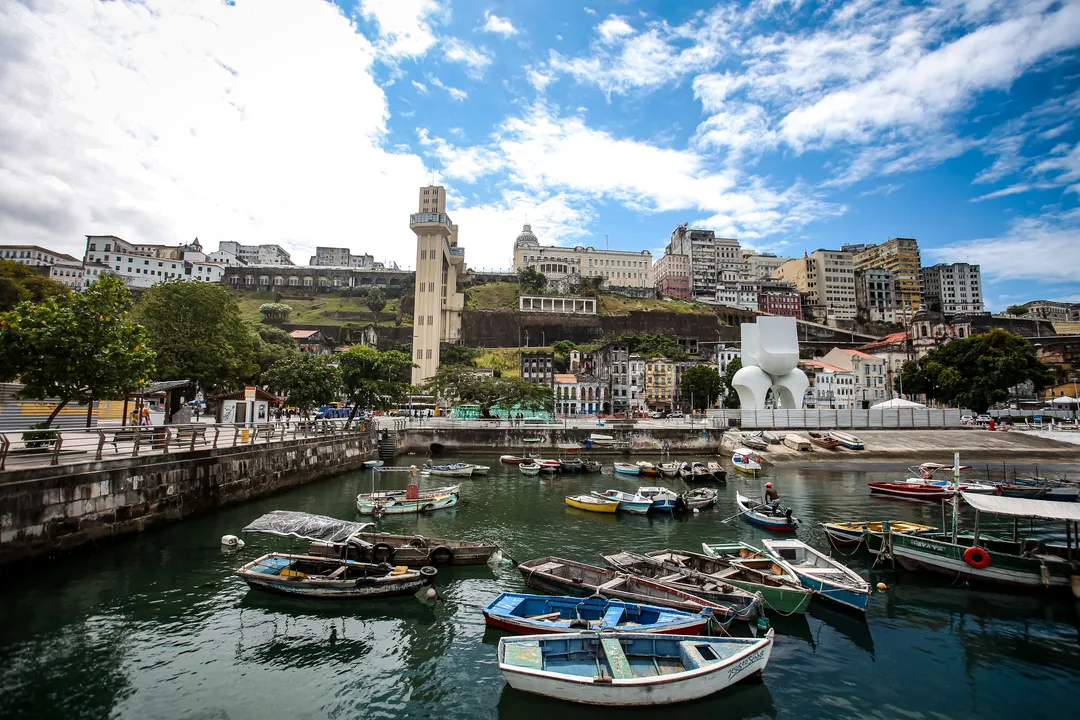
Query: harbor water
x,y
159,627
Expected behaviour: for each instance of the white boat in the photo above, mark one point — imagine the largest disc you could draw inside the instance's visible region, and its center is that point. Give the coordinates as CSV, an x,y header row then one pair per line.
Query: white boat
x,y
373,463
626,669
699,498
669,469
798,442
746,460
633,503
478,469
846,439
825,576
627,468
661,497
402,505
451,470
530,468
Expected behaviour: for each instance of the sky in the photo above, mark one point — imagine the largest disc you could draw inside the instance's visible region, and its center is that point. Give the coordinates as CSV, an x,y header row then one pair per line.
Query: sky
x,y
789,124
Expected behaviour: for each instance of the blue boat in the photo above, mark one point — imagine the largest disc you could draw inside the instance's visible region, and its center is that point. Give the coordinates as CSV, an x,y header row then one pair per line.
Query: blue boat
x,y
539,614
828,578
758,514
662,498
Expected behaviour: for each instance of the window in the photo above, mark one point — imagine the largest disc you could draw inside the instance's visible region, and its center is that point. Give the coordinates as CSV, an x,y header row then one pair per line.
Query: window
x,y
429,354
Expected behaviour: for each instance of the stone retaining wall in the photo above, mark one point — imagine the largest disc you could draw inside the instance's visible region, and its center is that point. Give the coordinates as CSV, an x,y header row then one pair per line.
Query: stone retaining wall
x,y
51,510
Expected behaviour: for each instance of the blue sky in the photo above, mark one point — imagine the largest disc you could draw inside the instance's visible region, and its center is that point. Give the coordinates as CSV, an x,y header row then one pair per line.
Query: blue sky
x,y
790,125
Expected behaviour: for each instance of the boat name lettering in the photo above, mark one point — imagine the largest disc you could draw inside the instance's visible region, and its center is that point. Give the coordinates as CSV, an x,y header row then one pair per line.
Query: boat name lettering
x,y
925,545
745,663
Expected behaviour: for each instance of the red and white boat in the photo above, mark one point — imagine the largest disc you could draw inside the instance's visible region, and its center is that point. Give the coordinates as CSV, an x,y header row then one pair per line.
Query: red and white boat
x,y
926,487
548,465
513,460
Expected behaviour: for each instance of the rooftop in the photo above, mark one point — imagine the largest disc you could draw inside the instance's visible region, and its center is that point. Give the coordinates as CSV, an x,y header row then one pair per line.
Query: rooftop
x,y
823,366
894,339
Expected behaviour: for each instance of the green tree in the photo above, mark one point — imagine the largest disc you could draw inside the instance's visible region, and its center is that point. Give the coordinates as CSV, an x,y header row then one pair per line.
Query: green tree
x,y
1017,310
975,372
271,345
19,283
563,347
374,379
702,384
532,280
457,383
275,312
376,301
731,398
308,381
655,345
198,333
459,355
407,301
78,348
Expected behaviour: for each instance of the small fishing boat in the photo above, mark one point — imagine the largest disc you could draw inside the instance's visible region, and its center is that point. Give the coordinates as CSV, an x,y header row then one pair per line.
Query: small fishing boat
x,y
779,587
559,576
646,468
798,442
630,502
754,441
572,465
742,555
532,440
628,669
847,440
451,470
823,440
759,514
593,466
773,438
926,487
669,469
512,459
911,491
627,468
599,439
825,576
478,469
592,503
1055,491
662,498
719,474
699,498
1017,490
545,614
744,604
685,470
700,472
373,464
548,465
746,461
425,493
529,468
337,578
398,505
850,534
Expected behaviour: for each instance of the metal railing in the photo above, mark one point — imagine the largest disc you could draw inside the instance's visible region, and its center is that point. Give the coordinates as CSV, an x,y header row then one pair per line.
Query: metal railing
x,y
30,448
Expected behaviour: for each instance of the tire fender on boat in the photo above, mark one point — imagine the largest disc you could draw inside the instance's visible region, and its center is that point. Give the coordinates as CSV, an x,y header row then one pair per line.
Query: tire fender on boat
x,y
382,552
419,541
977,557
441,556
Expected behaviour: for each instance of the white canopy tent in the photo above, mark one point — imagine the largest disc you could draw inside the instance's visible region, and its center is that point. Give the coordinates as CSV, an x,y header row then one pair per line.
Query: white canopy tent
x,y
897,403
1023,507
1063,401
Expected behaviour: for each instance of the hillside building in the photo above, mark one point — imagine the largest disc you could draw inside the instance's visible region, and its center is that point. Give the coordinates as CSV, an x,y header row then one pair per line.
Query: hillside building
x,y
952,289
779,298
672,275
618,268
141,266
900,256
257,254
341,257
874,295
826,279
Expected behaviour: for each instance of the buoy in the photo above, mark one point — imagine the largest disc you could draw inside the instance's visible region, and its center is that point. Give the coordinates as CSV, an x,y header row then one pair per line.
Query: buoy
x,y
696,511
882,587
232,541
431,593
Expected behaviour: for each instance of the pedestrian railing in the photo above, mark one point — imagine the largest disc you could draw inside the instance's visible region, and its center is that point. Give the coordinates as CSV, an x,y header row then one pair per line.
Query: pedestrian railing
x,y
34,447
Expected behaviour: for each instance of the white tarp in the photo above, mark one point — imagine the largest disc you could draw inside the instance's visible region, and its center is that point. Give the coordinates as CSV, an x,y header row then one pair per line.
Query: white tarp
x,y
1045,509
898,403
289,523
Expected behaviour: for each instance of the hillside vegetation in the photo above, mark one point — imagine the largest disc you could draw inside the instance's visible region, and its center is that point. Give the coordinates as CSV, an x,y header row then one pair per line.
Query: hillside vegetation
x,y
314,310
504,297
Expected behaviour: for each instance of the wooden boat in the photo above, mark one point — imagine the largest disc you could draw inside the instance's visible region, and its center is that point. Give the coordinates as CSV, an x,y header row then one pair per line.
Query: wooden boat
x,y
373,464
568,577
599,439
1031,492
572,465
1055,491
685,471
646,468
451,470
400,504
350,540
662,499
548,465
719,474
757,513
628,669
593,466
700,473
850,534
823,440
746,461
744,555
630,502
546,614
846,439
744,604
797,442
669,469
426,492
513,459
627,468
826,577
529,468
337,578
592,503
1017,563
779,587
911,491
699,498
754,441
478,469
773,438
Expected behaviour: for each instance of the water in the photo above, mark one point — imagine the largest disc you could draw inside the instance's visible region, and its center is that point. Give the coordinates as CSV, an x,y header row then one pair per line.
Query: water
x,y
158,627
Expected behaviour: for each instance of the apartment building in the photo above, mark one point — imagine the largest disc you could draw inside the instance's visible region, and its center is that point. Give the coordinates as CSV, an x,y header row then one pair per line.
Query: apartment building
x,y
874,295
762,266
826,278
778,298
672,276
894,350
538,367
618,268
1052,310
341,257
141,266
952,289
831,387
900,256
268,254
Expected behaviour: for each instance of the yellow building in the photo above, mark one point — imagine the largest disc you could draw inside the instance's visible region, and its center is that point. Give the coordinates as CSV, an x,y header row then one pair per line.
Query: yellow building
x,y
659,383
438,304
826,278
900,256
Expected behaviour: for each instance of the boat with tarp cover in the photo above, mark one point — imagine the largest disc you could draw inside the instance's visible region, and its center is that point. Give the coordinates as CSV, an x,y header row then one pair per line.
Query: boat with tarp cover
x,y
332,578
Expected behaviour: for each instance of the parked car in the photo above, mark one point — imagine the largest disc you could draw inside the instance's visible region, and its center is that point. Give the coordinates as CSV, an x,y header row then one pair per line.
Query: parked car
x,y
676,414
983,420
656,414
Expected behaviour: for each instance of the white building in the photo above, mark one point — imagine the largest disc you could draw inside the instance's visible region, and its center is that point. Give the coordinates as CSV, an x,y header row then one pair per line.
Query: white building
x,y
868,372
830,388
68,273
579,394
141,266
257,254
723,355
894,351
618,268
34,255
761,266
952,289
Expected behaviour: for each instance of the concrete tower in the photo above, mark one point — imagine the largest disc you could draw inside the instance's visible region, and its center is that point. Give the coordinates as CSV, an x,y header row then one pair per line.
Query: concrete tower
x,y
438,304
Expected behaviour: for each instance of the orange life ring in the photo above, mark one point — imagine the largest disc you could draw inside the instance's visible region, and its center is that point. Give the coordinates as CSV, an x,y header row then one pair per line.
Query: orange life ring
x,y
977,558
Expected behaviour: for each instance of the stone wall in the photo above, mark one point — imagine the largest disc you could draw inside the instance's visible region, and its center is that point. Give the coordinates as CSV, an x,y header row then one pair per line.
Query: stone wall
x,y
51,510
506,439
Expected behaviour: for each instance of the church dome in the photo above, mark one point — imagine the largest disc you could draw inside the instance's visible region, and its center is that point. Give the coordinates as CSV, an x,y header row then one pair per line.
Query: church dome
x,y
526,236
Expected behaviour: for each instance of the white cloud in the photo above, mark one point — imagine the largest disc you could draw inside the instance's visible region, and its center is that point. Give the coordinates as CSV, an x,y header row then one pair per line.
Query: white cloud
x,y
475,59
420,87
404,25
1055,131
614,28
589,10
455,94
1004,192
1066,165
498,25
169,119
467,164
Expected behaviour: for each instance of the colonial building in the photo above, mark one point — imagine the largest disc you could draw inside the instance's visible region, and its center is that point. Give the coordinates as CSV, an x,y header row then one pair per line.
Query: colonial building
x,y
900,256
778,298
618,268
952,289
659,383
558,305
1052,310
68,273
874,295
831,387
438,304
868,373
34,255
672,273
312,342
894,350
141,266
579,394
538,367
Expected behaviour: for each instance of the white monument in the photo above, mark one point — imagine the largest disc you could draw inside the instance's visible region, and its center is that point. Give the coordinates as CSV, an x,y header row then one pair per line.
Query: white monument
x,y
770,353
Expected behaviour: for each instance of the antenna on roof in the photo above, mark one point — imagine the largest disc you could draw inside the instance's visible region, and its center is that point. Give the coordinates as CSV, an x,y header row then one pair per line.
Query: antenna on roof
x,y
606,243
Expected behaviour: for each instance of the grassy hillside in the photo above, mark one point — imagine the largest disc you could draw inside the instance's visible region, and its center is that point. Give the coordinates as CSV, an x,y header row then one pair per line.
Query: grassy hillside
x,y
505,360
493,296
314,310
504,297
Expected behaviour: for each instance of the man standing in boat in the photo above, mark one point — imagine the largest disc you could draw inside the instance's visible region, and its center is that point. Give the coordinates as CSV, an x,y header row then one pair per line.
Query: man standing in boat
x,y
772,498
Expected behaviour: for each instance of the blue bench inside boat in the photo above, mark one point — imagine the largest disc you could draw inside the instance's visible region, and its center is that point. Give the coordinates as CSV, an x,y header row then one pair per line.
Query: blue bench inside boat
x,y
272,565
613,617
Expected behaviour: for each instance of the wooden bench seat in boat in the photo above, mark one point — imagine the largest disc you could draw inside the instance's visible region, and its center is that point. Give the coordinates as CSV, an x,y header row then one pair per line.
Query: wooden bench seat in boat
x,y
612,616
726,572
547,567
612,584
616,659
692,657
673,577
820,571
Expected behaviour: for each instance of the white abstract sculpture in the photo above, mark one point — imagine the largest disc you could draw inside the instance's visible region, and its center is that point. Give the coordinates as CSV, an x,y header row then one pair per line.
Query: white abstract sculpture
x,y
770,352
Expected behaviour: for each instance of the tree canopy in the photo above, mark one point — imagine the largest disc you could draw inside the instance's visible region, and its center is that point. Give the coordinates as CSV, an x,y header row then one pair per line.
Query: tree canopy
x,y
464,385
78,348
975,372
19,283
1017,310
198,333
374,379
308,381
275,312
271,345
532,280
376,301
654,345
459,355
731,398
702,384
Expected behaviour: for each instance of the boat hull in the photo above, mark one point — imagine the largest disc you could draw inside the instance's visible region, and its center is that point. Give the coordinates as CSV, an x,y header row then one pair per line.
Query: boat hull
x,y
627,469
599,506
405,507
910,492
500,614
529,470
328,589
776,523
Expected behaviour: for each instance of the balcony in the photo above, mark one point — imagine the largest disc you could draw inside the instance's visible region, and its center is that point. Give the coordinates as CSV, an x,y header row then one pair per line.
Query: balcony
x,y
430,218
